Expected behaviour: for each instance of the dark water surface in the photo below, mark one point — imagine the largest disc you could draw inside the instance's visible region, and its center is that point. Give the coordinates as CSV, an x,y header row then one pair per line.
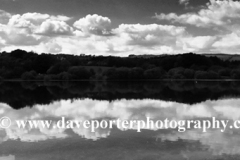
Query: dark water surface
x,y
127,101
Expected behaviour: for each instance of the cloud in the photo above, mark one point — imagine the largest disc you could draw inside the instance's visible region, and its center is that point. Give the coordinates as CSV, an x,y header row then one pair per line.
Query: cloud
x,y
4,17
94,24
216,13
38,18
52,47
198,43
94,34
149,35
229,43
184,2
47,33
126,39
54,28
27,20
145,39
31,29
33,20
221,16
18,36
18,21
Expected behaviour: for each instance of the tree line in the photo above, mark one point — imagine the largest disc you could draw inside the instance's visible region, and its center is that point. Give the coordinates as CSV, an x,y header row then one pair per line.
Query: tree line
x,y
24,65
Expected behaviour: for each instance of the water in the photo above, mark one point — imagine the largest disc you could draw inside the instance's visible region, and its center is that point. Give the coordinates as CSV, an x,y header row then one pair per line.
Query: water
x,y
129,101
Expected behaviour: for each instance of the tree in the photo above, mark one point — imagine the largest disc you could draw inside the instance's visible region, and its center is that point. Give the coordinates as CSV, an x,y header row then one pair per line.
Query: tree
x,y
136,73
189,73
201,75
122,73
176,73
225,73
206,75
79,73
64,76
155,73
43,62
59,67
110,74
235,74
29,75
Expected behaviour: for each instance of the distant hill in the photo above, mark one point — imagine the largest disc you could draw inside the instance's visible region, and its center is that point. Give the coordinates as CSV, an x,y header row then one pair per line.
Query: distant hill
x,y
225,57
222,56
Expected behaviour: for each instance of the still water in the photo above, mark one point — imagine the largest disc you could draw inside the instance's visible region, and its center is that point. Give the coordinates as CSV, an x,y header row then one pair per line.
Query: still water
x,y
172,100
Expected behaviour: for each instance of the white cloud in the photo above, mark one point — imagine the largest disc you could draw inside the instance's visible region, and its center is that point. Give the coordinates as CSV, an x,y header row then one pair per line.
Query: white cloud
x,y
38,18
94,24
146,39
27,20
52,47
18,36
18,21
153,34
217,13
33,20
54,28
223,16
127,39
229,43
184,2
60,18
198,43
31,29
93,34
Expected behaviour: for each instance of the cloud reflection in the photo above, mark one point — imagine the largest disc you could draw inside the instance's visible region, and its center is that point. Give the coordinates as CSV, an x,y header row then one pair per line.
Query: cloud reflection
x,y
88,109
7,157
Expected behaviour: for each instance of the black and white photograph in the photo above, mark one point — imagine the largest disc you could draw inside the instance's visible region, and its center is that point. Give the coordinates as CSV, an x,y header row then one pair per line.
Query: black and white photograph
x,y
119,79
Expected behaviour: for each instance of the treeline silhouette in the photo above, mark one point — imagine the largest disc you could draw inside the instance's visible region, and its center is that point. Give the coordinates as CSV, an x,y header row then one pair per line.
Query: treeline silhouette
x,y
24,65
29,93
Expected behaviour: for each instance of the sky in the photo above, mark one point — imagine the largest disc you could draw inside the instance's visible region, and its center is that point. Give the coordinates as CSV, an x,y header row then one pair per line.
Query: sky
x,y
120,27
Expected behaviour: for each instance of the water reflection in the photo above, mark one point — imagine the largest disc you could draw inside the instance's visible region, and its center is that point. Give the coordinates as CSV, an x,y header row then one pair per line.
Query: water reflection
x,y
28,94
7,157
149,143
